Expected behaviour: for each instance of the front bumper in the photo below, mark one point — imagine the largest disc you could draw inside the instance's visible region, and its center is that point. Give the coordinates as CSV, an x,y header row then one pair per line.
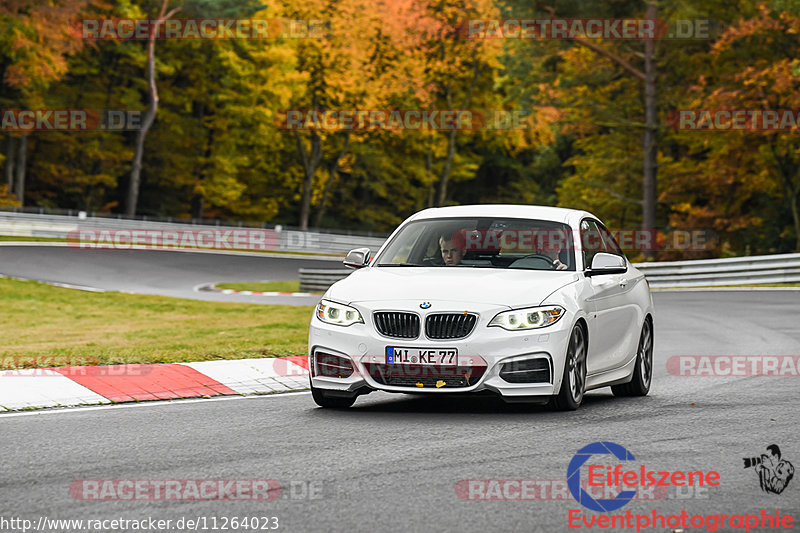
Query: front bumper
x,y
489,358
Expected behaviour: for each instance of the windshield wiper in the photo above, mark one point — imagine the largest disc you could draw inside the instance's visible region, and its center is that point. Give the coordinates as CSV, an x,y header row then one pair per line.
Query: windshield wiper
x,y
398,265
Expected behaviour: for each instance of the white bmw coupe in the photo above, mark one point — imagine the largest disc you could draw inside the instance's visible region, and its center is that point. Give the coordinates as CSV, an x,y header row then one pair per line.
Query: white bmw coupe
x,y
535,304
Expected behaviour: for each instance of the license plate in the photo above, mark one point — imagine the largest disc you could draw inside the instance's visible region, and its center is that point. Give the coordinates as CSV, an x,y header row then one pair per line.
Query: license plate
x,y
422,356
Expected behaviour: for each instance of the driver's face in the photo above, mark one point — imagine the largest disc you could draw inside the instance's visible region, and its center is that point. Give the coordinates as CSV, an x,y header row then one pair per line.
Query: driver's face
x,y
450,254
551,251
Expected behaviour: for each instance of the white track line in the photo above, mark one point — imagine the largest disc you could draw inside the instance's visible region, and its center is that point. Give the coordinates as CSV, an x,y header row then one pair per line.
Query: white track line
x,y
212,287
154,403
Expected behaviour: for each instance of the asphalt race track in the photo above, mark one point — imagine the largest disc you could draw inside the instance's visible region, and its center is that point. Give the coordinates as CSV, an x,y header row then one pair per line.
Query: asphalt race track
x,y
170,273
393,462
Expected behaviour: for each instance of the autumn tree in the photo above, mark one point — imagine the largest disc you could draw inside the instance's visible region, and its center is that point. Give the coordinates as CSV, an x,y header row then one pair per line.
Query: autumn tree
x,y
462,72
216,147
740,182
150,113
36,39
367,58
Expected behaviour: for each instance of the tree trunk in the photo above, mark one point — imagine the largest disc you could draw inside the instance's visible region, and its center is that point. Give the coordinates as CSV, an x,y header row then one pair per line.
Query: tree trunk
x,y
20,168
796,217
650,133
310,164
198,201
451,141
447,169
197,205
10,156
429,170
649,138
149,117
334,173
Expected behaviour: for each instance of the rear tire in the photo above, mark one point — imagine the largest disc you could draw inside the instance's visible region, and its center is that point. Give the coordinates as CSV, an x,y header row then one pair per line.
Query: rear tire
x,y
573,382
643,369
331,402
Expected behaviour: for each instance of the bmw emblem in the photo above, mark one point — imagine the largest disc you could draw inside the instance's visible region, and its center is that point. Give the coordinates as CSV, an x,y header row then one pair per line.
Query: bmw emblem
x,y
424,305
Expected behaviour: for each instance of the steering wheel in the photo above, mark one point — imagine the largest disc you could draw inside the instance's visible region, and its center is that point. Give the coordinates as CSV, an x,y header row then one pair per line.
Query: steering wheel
x,y
549,263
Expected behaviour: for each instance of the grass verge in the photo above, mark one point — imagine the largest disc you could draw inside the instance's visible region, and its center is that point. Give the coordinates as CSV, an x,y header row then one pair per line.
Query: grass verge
x,y
43,325
21,238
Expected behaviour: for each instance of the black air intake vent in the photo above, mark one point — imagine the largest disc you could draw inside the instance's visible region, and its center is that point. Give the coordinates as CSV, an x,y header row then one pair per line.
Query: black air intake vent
x,y
528,371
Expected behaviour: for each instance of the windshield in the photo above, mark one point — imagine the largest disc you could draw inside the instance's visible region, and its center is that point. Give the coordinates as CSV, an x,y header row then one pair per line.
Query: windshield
x,y
481,242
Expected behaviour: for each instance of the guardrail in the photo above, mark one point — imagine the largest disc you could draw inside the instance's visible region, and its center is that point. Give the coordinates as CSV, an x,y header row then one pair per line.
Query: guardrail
x,y
289,240
318,280
784,268
761,269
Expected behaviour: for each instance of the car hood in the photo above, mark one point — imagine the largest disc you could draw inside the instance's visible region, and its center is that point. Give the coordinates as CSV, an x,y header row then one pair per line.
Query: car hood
x,y
512,288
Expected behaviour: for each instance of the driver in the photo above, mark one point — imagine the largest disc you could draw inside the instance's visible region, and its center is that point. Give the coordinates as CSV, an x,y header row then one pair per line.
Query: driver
x,y
553,255
552,249
451,255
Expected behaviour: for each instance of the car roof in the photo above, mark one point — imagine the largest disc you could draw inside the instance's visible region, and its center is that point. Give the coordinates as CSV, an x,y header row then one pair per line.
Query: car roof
x,y
539,212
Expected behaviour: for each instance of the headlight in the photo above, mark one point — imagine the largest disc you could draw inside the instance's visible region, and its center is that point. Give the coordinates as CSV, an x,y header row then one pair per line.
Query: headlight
x,y
530,318
341,315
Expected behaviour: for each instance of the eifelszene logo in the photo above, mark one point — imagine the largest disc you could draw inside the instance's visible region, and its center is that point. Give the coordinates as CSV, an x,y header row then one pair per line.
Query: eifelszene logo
x,y
574,476
774,473
609,477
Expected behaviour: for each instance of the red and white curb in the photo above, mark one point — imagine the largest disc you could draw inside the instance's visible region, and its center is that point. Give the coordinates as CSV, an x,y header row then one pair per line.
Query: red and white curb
x,y
36,388
214,288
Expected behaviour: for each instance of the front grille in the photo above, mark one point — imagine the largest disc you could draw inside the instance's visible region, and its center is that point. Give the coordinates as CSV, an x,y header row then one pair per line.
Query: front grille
x,y
429,376
527,371
332,366
396,324
449,325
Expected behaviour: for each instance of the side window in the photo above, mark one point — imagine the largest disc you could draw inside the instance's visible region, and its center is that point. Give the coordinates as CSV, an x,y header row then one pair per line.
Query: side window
x,y
609,241
592,241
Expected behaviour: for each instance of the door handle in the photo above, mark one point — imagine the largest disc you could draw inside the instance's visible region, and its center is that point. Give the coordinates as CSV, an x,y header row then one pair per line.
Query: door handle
x,y
623,283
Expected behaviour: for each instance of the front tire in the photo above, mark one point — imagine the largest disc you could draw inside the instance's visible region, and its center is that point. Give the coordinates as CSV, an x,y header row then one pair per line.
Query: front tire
x,y
643,369
573,382
324,399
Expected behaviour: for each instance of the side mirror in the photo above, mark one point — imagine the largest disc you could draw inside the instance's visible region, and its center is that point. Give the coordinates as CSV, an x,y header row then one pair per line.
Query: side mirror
x,y
604,263
358,258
